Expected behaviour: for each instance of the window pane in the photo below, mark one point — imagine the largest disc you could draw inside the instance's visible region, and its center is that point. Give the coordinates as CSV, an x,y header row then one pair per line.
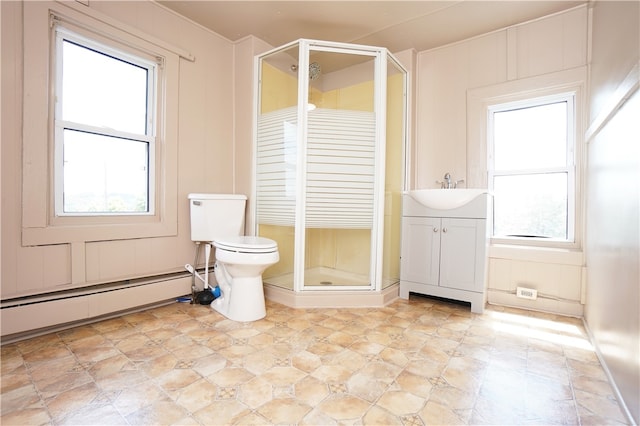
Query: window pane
x,y
531,138
104,174
531,205
102,91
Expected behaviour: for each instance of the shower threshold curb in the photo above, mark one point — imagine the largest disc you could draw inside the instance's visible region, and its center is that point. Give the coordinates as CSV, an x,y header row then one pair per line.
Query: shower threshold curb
x,y
333,299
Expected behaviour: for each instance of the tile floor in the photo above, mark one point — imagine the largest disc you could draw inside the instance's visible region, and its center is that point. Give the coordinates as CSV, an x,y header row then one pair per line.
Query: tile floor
x,y
416,362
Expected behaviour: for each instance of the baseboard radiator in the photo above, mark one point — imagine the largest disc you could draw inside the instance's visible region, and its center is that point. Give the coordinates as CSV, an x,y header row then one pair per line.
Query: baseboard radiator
x,y
36,315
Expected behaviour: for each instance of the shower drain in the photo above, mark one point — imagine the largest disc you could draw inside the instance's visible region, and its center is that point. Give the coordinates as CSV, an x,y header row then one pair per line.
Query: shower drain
x,y
326,283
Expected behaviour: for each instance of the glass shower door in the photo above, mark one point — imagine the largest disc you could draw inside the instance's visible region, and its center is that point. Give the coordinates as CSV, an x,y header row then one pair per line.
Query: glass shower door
x,y
394,171
276,159
340,178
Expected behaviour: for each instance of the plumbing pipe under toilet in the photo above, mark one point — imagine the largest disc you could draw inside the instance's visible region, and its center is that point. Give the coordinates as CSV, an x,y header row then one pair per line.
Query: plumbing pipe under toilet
x,y
215,291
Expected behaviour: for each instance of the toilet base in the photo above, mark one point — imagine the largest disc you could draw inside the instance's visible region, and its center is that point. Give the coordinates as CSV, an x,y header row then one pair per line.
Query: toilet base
x,y
244,302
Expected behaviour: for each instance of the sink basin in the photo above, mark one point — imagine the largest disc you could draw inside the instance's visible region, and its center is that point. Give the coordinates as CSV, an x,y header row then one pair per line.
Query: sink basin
x,y
445,199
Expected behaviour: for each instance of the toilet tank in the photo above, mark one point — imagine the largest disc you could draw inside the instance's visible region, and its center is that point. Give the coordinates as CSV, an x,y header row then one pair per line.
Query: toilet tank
x,y
216,216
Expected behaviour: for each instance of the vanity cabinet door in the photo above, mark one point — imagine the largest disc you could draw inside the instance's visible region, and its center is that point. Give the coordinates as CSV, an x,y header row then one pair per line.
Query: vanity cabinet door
x,y
460,253
420,250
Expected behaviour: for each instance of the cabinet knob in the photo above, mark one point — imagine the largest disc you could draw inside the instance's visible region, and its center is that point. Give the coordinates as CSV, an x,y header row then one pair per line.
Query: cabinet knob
x,y
444,229
435,229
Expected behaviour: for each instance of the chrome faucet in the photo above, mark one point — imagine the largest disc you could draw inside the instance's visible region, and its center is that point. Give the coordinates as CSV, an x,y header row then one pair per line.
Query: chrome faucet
x,y
447,180
447,183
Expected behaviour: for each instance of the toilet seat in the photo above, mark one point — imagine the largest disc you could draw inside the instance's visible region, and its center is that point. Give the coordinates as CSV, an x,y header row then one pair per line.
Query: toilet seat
x,y
246,244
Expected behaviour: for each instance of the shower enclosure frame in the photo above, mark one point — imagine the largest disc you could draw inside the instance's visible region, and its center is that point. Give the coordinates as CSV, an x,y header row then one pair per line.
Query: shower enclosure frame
x,y
380,56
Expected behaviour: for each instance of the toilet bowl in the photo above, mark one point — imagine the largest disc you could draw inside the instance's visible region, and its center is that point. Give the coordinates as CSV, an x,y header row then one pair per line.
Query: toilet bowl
x,y
218,220
240,262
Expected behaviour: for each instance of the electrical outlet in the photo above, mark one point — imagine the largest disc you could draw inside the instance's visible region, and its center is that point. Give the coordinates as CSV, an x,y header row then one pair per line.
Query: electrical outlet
x,y
526,293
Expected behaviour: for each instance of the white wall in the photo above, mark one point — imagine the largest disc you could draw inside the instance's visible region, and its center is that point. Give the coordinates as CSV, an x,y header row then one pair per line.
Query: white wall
x,y
613,211
445,77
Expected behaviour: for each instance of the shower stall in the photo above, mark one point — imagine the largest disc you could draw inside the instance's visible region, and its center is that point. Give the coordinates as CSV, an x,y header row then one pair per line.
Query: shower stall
x,y
330,134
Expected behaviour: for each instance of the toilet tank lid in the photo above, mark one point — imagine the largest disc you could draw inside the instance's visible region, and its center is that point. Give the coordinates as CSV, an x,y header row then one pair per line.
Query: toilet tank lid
x,y
217,197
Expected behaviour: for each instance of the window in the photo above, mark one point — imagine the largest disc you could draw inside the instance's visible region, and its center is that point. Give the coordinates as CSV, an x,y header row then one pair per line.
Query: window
x,y
532,168
107,132
104,129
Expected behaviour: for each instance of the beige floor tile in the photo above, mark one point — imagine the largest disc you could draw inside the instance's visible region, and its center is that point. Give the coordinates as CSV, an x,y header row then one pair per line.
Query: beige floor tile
x,y
281,411
400,403
48,353
394,356
258,362
283,376
92,354
367,348
312,391
61,383
425,367
434,413
332,373
192,352
162,412
197,395
37,344
221,412
28,416
252,419
343,407
14,381
414,363
306,361
121,379
256,392
94,414
417,385
366,387
592,405
20,399
74,399
11,360
229,377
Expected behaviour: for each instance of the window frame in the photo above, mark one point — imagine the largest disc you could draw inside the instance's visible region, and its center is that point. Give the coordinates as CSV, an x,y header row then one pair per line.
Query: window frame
x,y
569,168
119,52
40,224
480,99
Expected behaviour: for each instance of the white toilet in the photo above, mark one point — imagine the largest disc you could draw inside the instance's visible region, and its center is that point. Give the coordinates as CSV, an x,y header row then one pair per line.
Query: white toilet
x,y
218,219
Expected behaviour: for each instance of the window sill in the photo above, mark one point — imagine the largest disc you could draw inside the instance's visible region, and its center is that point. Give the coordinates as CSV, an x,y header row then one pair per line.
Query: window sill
x,y
108,232
562,256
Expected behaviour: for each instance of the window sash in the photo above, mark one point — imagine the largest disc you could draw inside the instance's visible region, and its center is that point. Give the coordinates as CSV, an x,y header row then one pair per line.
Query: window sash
x,y
569,168
521,194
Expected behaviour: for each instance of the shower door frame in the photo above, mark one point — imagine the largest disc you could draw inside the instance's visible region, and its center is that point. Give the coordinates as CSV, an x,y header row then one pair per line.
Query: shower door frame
x,y
380,56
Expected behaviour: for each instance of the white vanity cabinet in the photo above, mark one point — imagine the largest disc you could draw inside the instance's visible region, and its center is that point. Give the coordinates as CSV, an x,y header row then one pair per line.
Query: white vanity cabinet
x,y
444,251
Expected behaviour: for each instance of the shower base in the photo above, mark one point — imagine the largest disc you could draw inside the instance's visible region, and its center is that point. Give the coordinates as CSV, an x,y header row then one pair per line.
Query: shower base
x,y
332,298
321,277
343,294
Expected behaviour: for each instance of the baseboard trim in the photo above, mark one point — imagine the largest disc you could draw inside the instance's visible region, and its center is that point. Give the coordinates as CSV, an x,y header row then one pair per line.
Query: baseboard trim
x,y
541,304
607,372
26,318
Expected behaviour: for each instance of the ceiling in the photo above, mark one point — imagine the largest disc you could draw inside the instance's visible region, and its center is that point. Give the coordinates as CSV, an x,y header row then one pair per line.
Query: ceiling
x,y
396,25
